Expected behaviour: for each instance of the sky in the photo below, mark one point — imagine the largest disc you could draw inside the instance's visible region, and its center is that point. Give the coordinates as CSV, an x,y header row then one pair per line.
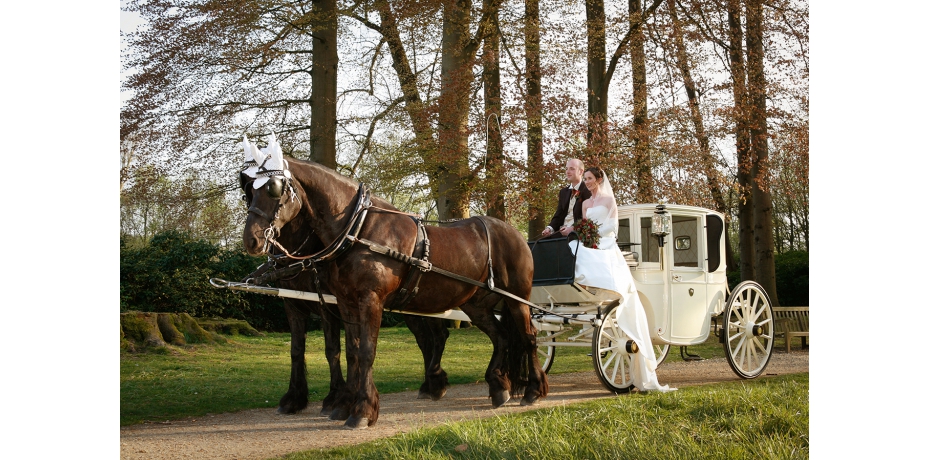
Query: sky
x,y
868,111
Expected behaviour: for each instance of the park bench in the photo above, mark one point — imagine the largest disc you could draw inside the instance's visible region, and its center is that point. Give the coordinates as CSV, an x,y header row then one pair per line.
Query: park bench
x,y
792,322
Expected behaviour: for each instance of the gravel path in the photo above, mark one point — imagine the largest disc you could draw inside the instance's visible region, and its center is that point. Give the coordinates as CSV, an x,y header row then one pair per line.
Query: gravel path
x,y
262,434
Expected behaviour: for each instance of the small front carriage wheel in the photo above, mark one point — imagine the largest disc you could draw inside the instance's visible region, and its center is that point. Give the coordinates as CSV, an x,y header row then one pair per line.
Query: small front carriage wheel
x,y
748,330
661,352
612,363
546,353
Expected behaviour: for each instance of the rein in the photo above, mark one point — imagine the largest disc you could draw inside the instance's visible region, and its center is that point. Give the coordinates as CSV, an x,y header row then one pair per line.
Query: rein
x,y
341,243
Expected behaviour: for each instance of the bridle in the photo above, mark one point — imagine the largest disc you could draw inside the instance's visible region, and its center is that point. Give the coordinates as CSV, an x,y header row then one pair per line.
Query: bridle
x,y
279,186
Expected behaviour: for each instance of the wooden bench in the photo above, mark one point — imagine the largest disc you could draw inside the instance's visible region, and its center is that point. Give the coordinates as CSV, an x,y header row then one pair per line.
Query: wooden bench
x,y
792,322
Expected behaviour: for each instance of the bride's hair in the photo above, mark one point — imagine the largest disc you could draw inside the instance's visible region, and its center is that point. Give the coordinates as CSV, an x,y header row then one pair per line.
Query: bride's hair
x,y
605,193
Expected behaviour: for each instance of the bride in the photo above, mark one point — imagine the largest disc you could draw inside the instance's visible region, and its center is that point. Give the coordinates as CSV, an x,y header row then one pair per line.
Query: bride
x,y
606,268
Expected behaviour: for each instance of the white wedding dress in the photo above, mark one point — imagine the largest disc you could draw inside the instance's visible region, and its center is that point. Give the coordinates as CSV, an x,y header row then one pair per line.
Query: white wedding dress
x,y
605,268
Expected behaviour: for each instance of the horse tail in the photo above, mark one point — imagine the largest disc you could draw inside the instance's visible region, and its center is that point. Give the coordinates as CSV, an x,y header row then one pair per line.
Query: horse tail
x,y
516,356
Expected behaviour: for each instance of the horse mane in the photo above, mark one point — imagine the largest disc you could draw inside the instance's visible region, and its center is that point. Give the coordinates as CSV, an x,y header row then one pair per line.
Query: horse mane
x,y
377,200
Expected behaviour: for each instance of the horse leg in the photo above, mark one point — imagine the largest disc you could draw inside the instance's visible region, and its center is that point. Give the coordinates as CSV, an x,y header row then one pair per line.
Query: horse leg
x,y
431,337
335,404
523,361
482,316
362,327
295,399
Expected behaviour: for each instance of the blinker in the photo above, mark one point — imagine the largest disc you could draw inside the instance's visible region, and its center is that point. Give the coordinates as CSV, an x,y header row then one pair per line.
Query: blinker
x,y
275,186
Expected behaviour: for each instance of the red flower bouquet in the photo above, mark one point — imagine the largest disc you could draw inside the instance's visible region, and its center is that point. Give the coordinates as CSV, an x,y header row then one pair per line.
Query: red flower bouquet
x,y
587,231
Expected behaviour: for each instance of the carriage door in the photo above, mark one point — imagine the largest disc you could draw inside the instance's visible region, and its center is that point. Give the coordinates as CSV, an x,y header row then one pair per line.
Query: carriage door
x,y
688,284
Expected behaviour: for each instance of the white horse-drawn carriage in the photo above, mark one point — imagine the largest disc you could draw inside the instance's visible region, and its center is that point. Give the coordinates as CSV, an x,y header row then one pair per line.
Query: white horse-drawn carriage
x,y
676,256
677,259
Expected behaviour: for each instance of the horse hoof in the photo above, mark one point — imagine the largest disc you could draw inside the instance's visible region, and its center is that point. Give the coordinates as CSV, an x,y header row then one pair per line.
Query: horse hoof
x,y
356,423
529,400
339,414
424,395
439,396
325,412
287,411
499,399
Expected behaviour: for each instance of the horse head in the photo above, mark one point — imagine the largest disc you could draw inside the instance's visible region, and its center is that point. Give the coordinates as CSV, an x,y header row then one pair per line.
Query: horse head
x,y
268,190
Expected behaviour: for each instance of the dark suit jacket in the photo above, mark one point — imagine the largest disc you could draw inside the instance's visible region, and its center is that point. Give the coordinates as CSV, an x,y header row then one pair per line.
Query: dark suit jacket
x,y
565,195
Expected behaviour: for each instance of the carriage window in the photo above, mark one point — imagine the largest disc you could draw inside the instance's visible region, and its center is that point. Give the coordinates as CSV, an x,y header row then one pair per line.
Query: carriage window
x,y
714,234
650,243
623,235
685,228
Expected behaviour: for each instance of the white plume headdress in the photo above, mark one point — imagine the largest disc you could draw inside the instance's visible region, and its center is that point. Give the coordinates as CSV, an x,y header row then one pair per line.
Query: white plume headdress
x,y
269,162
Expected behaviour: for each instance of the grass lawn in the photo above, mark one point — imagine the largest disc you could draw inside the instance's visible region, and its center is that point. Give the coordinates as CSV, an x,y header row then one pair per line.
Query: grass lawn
x,y
253,372
751,419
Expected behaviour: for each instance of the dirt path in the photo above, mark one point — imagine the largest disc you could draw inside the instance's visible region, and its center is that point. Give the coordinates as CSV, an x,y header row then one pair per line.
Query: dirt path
x,y
262,434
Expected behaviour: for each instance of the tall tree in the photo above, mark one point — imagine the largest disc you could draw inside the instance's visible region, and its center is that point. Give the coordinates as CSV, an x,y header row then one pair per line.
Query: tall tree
x,y
534,116
743,155
645,183
491,79
763,238
697,119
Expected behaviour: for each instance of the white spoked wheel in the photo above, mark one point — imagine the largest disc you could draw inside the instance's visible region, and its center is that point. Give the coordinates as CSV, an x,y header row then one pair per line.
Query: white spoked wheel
x,y
661,352
546,353
611,350
749,330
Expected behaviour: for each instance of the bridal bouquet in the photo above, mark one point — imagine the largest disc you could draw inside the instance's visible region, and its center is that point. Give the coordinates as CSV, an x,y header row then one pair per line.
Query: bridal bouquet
x,y
587,231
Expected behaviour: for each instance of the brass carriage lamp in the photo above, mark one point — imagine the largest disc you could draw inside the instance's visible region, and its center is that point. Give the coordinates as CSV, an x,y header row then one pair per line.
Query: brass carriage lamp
x,y
661,224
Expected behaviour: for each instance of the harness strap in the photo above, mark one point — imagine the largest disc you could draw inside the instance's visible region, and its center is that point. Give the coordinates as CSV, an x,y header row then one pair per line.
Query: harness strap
x,y
353,227
425,266
411,285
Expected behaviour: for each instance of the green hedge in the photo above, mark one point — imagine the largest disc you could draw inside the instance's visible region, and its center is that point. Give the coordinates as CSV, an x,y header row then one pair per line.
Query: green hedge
x,y
170,274
791,278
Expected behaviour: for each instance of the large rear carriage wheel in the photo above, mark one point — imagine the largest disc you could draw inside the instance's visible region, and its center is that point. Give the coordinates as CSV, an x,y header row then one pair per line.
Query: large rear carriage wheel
x,y
749,330
611,350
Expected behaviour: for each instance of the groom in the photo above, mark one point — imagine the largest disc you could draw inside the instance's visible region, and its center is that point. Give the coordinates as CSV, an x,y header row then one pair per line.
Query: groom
x,y
570,198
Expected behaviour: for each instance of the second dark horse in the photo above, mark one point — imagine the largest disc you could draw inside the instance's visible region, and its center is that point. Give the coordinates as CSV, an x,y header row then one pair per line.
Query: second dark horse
x,y
482,248
430,333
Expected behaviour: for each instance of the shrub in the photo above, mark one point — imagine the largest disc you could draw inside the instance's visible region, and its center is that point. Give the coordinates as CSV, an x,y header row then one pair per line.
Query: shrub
x,y
791,278
170,274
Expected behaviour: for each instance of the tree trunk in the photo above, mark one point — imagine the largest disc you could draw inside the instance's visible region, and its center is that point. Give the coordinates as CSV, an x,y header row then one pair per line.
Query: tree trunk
x,y
534,134
491,77
645,183
452,197
323,100
413,103
764,257
597,73
744,161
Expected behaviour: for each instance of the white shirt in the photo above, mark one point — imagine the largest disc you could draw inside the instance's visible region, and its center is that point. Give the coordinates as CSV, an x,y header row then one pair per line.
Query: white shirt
x,y
570,215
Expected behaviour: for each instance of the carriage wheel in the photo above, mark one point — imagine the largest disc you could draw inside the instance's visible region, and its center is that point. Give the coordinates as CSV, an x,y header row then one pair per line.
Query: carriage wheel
x,y
546,353
749,332
661,353
611,352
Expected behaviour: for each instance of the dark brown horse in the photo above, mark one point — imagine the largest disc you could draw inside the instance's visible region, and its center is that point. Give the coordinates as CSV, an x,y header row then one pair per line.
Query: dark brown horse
x,y
430,333
318,200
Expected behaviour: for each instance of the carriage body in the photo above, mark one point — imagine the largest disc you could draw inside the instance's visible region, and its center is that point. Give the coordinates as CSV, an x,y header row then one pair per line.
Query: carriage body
x,y
682,284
